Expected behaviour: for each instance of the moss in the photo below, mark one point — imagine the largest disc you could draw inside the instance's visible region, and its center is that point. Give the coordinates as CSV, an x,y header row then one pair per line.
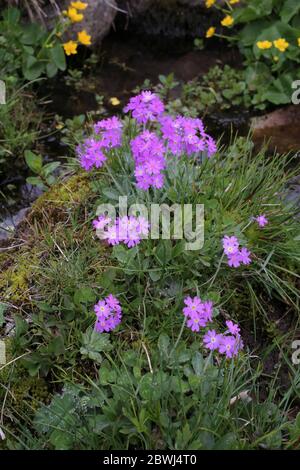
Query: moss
x,y
71,192
17,270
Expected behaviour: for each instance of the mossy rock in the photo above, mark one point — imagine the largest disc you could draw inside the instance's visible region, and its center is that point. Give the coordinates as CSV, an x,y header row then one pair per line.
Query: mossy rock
x,y
17,266
69,194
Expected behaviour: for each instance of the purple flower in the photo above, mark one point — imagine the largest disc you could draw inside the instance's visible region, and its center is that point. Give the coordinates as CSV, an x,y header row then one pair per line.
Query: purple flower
x,y
142,226
245,256
234,260
212,340
112,235
198,313
145,107
186,135
101,222
230,245
108,314
194,323
233,328
148,153
261,220
207,310
228,346
192,306
113,302
110,130
101,309
238,344
128,230
91,154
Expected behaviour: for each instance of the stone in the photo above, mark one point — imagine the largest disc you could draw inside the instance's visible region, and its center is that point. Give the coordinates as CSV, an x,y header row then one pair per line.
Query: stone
x,y
134,7
98,18
280,127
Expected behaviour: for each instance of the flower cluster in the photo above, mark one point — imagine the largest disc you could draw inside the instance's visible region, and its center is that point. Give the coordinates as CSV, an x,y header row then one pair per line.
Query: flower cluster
x,y
110,130
235,255
91,152
261,220
280,44
145,107
199,314
128,230
227,21
186,135
75,16
108,313
177,136
148,153
226,343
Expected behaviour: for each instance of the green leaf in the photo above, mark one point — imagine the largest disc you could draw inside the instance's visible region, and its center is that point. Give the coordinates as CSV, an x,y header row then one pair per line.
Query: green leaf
x,y
289,9
51,70
150,387
198,363
155,275
163,344
93,344
34,161
58,56
84,295
35,181
33,68
61,440
33,33
50,168
124,255
56,346
111,194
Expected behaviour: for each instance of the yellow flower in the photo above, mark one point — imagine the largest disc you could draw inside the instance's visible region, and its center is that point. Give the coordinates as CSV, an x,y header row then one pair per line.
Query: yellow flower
x,y
264,44
210,32
114,101
227,21
70,47
233,2
84,38
281,44
209,3
79,5
299,42
74,16
276,58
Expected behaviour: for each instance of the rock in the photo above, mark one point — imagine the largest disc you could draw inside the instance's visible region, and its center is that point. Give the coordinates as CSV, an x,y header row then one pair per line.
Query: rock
x,y
98,18
134,7
280,127
195,3
11,223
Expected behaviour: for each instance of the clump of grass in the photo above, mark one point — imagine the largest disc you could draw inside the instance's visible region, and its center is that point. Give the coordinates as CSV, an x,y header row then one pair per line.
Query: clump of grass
x,y
20,119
